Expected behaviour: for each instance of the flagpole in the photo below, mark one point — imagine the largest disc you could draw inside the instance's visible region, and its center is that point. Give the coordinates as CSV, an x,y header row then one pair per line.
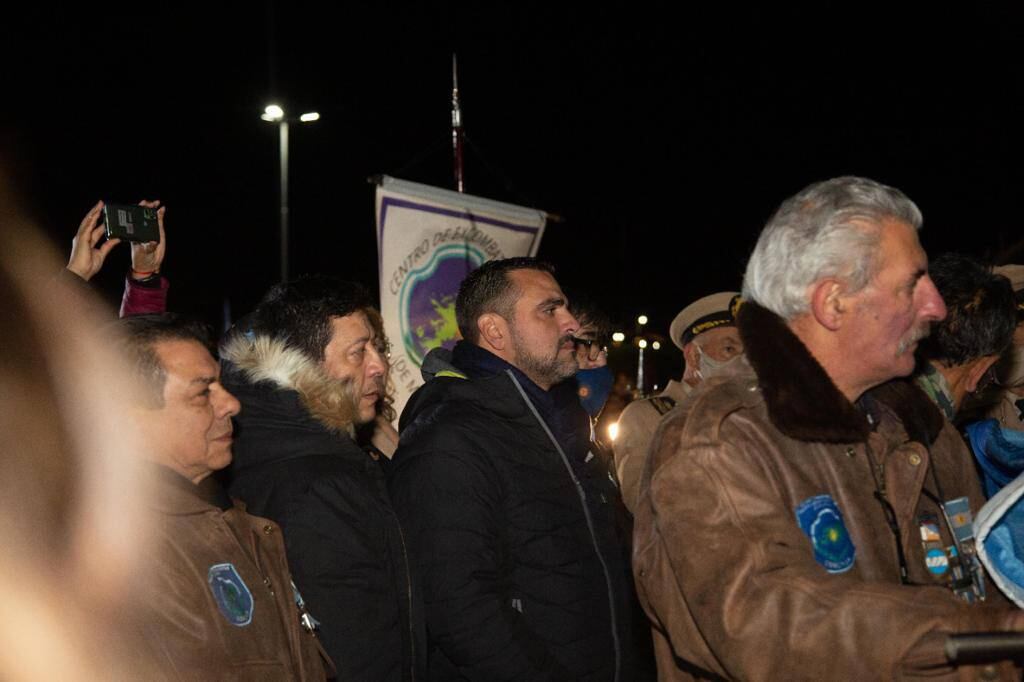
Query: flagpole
x,y
457,134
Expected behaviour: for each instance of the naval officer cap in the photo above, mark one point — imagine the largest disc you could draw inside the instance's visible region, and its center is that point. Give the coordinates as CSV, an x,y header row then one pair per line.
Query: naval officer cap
x,y
716,310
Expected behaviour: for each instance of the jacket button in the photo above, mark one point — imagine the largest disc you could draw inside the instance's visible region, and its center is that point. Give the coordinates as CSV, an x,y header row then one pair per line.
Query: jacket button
x,y
989,672
850,452
915,459
268,529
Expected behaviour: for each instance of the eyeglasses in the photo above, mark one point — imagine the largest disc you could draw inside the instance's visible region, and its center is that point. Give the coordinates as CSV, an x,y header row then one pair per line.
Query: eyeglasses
x,y
383,347
593,346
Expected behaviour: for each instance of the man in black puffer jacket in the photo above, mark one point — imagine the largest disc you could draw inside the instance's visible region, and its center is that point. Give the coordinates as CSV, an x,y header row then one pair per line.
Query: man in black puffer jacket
x,y
511,532
308,366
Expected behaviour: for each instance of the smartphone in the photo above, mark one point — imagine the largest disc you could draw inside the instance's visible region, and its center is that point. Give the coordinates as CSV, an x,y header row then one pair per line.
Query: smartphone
x,y
132,223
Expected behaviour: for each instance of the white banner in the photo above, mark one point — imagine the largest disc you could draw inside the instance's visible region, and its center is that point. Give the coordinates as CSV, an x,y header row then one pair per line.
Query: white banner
x,y
428,240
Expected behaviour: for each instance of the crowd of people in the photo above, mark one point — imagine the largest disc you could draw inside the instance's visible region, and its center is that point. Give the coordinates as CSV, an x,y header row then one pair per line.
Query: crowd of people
x,y
798,505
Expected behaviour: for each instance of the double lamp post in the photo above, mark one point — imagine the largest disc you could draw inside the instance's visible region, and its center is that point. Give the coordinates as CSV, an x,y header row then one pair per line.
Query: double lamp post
x,y
275,114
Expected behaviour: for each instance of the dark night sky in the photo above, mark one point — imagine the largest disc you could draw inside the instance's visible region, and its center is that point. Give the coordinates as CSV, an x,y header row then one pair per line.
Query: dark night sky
x,y
664,137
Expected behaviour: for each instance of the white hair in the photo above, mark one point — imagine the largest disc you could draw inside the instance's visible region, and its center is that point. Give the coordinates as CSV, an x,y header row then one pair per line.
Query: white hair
x,y
829,229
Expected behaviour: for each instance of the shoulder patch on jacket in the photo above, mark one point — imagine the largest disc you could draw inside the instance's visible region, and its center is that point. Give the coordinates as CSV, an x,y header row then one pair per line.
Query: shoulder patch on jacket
x,y
662,403
820,519
231,594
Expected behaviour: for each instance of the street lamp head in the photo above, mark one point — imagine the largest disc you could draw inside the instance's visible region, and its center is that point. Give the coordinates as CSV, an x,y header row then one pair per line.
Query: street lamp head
x,y
310,117
618,337
272,113
656,345
642,343
642,319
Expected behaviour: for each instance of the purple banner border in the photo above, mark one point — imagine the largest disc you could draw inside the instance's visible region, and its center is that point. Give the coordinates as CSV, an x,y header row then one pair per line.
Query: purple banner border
x,y
473,218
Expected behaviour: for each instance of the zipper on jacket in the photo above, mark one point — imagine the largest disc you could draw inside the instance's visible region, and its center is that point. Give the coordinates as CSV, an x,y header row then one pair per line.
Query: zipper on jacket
x,y
408,596
586,514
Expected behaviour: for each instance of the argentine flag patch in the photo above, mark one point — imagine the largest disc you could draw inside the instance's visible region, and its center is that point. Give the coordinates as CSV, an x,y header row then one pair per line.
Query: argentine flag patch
x,y
820,519
231,594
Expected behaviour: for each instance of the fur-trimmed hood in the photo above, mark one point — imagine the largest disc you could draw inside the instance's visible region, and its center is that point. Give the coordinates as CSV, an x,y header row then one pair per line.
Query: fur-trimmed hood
x,y
264,359
802,400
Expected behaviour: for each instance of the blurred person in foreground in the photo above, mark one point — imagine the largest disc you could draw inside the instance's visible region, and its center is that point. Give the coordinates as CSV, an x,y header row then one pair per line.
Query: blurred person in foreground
x,y
705,331
783,527
222,602
72,522
310,367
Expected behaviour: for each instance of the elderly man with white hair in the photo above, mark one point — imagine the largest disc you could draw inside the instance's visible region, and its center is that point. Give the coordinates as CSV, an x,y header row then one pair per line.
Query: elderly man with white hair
x,y
811,518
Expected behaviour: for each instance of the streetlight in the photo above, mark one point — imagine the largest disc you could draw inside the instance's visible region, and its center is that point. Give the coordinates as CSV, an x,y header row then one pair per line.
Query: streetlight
x,y
273,113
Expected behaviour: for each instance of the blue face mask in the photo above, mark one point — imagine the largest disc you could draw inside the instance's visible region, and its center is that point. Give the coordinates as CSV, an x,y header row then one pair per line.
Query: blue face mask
x,y
595,385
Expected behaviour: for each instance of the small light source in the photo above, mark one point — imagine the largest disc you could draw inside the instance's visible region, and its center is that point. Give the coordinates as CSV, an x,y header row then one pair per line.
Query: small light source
x,y
613,430
272,113
642,343
642,319
310,117
618,337
656,345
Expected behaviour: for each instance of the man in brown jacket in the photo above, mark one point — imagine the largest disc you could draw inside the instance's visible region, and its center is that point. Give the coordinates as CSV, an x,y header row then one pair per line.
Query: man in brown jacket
x,y
717,351
791,521
219,603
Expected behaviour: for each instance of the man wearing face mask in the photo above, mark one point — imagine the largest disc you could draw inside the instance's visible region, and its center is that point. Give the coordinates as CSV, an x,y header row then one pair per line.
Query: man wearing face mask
x,y
594,380
1009,410
705,331
997,437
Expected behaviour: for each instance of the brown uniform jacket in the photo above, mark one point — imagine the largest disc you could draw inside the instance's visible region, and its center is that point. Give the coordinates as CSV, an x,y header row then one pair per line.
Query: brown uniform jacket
x,y
220,604
637,424
735,586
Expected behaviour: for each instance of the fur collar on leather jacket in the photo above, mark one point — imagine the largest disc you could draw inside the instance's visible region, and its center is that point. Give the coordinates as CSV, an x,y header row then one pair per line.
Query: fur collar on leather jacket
x,y
802,401
329,401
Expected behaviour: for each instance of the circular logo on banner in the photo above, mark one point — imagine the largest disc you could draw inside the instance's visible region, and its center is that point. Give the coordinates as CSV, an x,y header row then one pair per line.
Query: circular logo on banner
x,y
426,302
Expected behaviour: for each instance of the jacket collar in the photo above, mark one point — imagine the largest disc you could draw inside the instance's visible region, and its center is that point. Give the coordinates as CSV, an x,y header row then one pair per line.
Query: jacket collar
x,y
266,359
804,403
177,495
479,363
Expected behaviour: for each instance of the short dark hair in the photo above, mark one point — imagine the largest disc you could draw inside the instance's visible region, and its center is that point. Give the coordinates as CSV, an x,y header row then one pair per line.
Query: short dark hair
x,y
587,312
981,313
138,336
488,289
300,312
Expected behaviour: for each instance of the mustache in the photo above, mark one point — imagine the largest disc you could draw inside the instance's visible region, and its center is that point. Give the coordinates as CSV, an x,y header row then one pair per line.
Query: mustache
x,y
913,337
